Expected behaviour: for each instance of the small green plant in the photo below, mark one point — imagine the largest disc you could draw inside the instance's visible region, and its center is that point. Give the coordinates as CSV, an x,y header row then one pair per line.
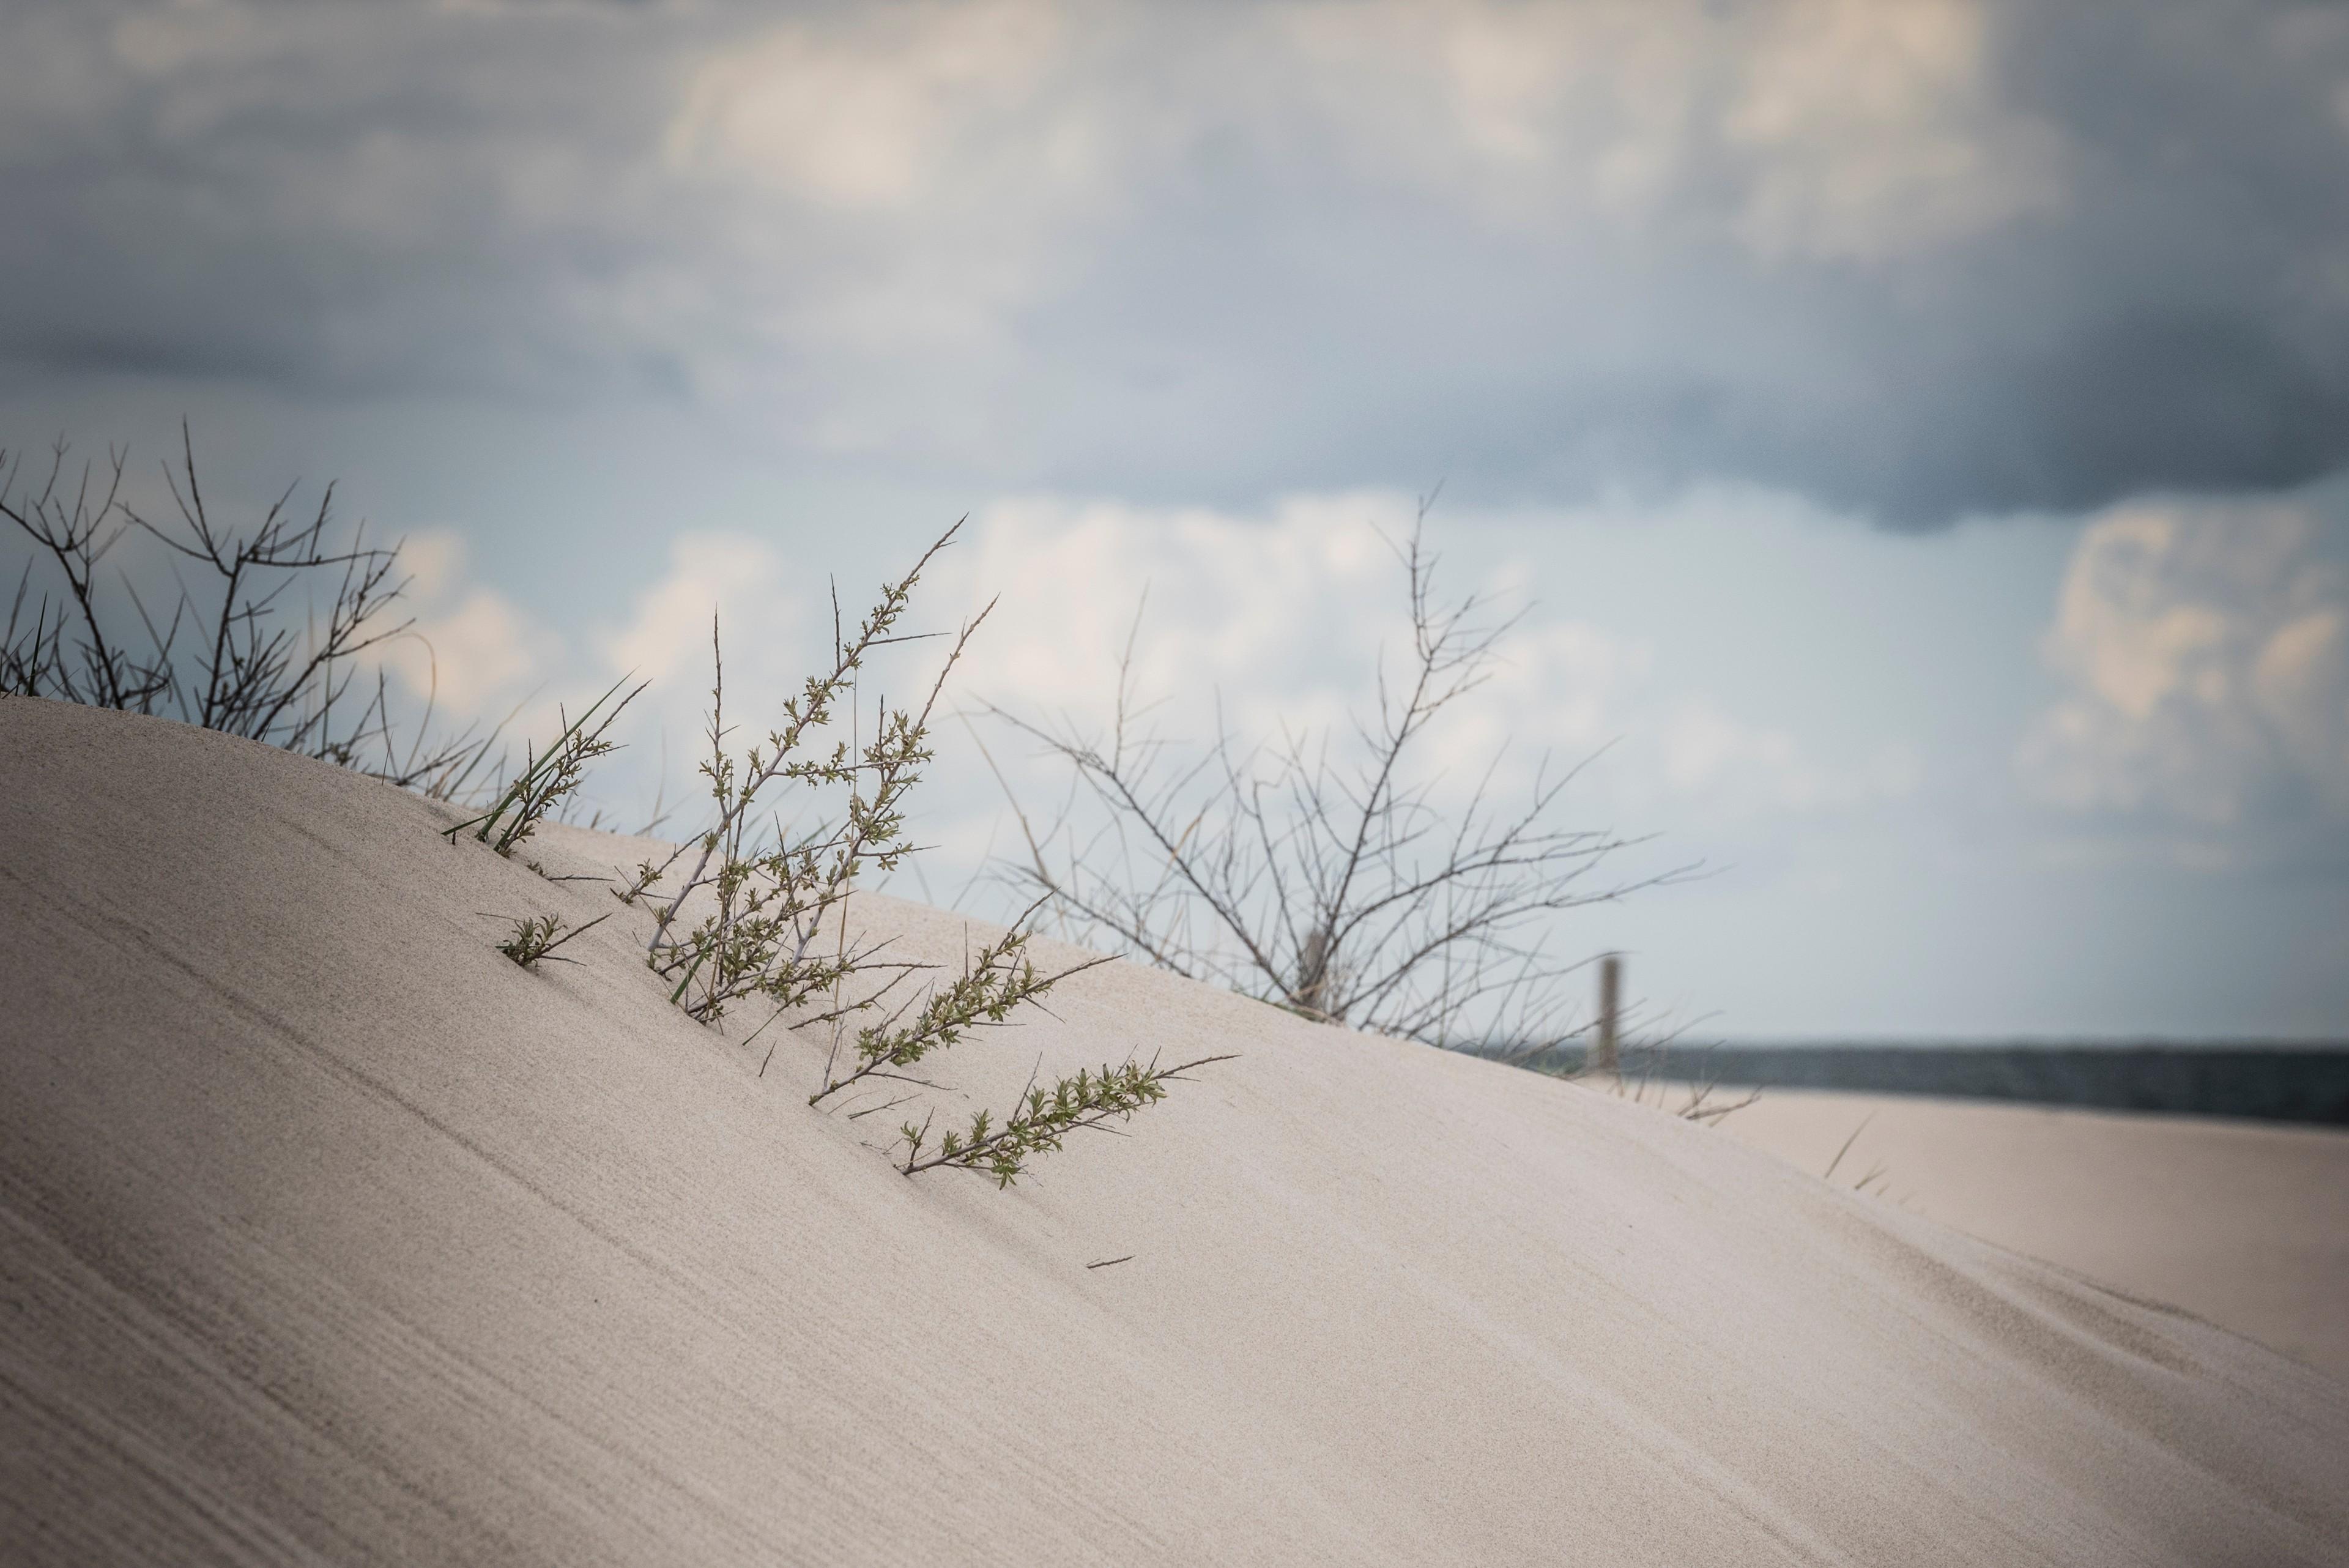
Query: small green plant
x,y
1043,1118
773,924
994,981
536,937
777,896
548,778
768,904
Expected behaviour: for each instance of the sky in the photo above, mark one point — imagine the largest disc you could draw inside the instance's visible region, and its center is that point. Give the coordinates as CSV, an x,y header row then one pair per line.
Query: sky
x,y
1914,434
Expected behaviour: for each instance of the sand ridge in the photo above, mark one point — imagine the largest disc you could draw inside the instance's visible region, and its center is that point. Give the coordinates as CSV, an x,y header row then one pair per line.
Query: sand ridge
x,y
2244,1223
328,1233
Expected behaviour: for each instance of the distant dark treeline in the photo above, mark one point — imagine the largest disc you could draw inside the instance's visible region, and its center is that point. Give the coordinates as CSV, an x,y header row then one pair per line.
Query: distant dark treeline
x,y
2273,1083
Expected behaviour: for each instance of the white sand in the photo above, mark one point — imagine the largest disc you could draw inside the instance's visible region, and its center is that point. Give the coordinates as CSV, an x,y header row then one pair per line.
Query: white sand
x,y
326,1234
2244,1223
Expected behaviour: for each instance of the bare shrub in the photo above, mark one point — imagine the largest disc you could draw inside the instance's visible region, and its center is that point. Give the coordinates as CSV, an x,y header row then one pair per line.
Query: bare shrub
x,y
1343,890
265,644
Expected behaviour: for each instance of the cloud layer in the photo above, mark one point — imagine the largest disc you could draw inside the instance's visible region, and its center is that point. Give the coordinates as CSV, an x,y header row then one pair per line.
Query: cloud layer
x,y
2206,650
1917,258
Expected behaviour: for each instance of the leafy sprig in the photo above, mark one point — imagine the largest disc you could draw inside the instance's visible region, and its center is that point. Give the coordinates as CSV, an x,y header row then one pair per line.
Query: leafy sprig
x,y
548,778
772,902
994,983
1043,1118
536,937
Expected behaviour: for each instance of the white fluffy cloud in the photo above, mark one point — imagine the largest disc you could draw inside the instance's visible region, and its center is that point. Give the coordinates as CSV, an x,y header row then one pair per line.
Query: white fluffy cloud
x,y
1285,619
472,650
763,617
482,657
1278,615
2205,650
667,638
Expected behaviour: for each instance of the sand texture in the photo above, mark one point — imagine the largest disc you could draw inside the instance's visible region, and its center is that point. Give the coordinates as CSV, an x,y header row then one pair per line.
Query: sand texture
x,y
2244,1223
326,1234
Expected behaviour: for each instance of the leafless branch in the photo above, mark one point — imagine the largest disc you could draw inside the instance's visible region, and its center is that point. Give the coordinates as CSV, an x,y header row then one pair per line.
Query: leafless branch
x,y
1339,882
265,643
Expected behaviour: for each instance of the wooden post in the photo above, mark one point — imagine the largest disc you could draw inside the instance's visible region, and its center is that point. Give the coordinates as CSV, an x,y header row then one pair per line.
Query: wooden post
x,y
1611,997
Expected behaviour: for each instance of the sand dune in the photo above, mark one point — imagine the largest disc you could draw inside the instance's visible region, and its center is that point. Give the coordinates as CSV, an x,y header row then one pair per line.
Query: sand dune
x,y
2244,1223
327,1234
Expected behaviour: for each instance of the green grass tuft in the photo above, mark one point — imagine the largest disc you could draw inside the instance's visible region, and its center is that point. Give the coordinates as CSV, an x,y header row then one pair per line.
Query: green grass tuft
x,y
536,937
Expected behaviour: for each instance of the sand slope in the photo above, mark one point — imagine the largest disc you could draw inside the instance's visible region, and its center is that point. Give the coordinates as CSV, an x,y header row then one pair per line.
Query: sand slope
x,y
2244,1223
326,1234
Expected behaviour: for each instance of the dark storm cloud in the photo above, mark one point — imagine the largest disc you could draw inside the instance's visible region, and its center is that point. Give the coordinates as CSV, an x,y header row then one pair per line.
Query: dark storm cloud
x,y
1913,258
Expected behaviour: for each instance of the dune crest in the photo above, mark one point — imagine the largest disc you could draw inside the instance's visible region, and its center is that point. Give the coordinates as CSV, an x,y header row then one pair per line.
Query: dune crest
x,y
328,1233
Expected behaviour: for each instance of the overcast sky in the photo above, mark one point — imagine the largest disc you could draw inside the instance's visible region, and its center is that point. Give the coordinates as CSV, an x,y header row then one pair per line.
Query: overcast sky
x,y
1919,429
